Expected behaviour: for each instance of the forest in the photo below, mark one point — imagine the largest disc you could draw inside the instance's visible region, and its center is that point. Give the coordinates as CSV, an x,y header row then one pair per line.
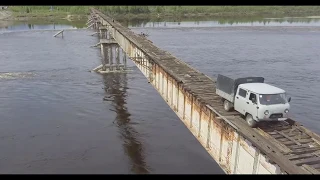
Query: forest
x,y
173,10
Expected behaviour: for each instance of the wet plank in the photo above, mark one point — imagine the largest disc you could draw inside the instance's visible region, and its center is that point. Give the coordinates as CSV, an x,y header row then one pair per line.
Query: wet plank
x,y
305,141
316,166
234,113
293,147
272,130
282,147
291,139
309,161
301,141
285,140
294,136
300,136
310,169
288,143
292,130
315,136
300,156
306,150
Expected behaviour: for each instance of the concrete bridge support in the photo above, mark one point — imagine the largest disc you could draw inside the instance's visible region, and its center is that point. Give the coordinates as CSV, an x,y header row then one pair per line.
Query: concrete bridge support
x,y
103,32
112,55
111,52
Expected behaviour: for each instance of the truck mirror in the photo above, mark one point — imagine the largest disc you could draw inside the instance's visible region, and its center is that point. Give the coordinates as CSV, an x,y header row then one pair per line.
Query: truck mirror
x,y
289,99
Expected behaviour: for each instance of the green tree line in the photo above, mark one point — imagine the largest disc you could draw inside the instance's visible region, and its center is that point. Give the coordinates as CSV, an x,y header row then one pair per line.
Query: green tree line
x,y
172,9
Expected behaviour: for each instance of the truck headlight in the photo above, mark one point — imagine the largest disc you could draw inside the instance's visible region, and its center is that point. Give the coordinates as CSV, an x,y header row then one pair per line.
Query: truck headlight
x,y
266,112
286,111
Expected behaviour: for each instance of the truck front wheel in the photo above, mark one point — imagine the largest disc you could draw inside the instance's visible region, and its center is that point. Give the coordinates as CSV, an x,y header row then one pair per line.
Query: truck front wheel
x,y
251,122
227,105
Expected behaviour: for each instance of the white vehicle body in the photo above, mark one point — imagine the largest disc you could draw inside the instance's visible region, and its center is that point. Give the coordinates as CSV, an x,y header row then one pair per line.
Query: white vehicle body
x,y
252,98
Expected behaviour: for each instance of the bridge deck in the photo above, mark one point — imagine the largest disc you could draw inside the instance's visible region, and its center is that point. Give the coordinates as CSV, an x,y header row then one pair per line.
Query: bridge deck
x,y
287,143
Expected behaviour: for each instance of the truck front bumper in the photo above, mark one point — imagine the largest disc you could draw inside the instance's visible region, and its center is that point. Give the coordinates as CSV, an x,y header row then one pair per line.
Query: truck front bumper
x,y
275,119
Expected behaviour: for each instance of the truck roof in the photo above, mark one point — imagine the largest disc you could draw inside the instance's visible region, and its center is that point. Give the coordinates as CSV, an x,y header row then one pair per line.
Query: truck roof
x,y
262,88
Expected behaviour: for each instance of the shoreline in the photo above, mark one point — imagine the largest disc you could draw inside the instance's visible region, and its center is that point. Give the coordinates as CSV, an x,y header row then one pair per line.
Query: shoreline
x,y
45,16
14,16
8,18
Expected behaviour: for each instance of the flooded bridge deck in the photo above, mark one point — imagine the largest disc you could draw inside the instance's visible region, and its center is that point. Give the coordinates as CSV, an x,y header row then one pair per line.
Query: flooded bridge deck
x,y
275,148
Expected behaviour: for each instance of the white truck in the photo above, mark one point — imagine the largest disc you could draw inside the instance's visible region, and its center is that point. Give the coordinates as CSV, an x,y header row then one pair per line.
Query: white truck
x,y
254,99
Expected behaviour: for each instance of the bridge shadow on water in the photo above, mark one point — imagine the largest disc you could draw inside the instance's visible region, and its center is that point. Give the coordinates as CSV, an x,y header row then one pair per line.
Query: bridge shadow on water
x,y
115,86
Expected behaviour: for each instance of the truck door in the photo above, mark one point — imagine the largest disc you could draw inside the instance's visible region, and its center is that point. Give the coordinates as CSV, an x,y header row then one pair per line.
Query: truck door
x,y
251,105
240,101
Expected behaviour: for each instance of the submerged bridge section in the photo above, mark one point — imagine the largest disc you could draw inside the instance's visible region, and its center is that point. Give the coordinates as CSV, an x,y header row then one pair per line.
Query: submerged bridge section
x,y
278,148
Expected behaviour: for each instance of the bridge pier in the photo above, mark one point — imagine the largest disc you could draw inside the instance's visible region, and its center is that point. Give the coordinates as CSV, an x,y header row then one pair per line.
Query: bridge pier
x,y
97,25
115,64
117,57
111,59
105,59
103,32
110,51
124,59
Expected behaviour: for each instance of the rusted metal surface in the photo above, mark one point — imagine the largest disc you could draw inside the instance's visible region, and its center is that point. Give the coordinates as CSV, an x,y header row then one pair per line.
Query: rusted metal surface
x,y
277,148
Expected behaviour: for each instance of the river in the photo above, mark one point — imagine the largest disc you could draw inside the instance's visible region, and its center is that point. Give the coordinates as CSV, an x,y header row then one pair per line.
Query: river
x,y
54,118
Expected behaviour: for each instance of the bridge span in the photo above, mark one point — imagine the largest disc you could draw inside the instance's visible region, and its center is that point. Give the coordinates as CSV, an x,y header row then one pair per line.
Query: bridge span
x,y
278,148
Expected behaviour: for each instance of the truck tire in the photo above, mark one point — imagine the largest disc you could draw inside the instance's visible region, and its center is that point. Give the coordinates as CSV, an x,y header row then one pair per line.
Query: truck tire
x,y
251,122
226,105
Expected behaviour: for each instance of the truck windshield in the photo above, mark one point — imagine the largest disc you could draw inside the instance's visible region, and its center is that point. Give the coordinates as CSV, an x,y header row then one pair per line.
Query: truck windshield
x,y
269,99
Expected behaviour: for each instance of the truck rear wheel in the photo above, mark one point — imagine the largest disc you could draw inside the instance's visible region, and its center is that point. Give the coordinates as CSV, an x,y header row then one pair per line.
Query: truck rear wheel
x,y
251,122
226,105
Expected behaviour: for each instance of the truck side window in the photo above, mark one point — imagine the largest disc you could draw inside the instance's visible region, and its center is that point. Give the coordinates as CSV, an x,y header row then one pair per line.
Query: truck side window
x,y
242,92
252,96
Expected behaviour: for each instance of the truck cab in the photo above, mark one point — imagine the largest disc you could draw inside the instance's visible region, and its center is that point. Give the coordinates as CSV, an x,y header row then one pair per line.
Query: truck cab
x,y
261,102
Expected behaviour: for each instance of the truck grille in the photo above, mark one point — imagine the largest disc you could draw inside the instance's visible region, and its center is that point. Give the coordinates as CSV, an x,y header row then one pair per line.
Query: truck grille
x,y
277,115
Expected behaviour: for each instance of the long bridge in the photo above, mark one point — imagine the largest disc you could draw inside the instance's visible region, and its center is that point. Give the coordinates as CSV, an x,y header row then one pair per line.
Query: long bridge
x,y
276,148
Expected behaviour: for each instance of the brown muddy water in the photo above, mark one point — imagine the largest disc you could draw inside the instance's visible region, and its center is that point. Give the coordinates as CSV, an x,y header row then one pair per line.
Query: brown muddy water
x,y
54,118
